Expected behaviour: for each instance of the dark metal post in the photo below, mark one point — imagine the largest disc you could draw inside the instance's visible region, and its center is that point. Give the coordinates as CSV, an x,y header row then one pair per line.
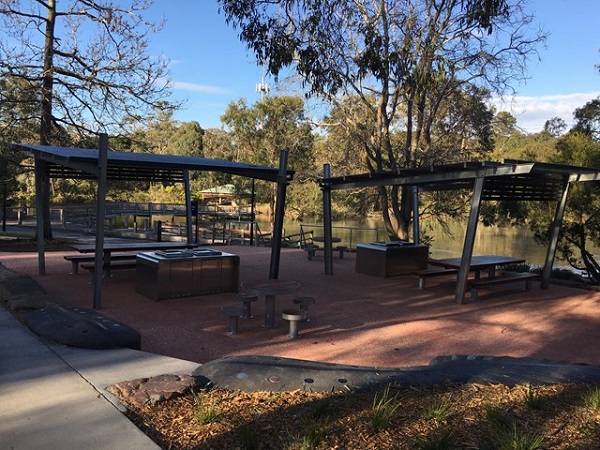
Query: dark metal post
x,y
327,233
465,262
416,225
158,230
188,205
4,195
553,238
100,216
40,174
252,214
279,213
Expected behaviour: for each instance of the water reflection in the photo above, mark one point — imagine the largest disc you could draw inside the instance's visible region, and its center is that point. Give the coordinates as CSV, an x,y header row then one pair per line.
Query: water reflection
x,y
513,241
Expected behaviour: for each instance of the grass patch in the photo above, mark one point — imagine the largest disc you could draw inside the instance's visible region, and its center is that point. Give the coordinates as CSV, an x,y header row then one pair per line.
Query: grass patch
x,y
439,411
206,410
514,439
591,398
531,398
384,406
441,440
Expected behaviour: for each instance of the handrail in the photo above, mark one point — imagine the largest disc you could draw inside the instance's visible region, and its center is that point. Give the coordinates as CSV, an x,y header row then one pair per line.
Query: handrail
x,y
350,230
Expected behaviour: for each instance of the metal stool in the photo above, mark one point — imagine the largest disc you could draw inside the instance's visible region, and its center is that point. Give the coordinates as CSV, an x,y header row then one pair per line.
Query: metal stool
x,y
233,312
303,303
293,316
311,251
247,300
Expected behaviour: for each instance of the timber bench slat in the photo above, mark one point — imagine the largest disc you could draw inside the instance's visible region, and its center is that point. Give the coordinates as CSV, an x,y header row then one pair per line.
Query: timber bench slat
x,y
75,260
435,262
423,274
311,251
509,277
428,273
117,265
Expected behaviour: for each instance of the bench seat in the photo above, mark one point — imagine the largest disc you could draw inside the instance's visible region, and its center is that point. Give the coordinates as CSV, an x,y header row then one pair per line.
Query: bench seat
x,y
117,265
75,260
428,273
507,277
311,251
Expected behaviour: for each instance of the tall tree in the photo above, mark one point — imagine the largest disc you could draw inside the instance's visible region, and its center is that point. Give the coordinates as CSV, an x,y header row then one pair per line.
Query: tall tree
x,y
86,63
580,231
166,136
587,118
261,131
403,58
555,127
13,106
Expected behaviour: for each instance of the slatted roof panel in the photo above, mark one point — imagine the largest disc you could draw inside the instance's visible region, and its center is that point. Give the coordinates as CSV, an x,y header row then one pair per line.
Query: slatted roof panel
x,y
508,180
81,163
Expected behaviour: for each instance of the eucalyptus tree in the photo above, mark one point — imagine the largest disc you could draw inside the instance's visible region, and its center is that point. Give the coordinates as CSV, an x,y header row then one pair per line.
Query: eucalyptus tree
x,y
259,133
587,118
555,127
86,63
405,60
164,135
580,232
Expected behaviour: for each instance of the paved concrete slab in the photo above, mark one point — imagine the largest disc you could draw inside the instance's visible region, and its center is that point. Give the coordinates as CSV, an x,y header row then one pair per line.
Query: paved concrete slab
x,y
103,368
53,398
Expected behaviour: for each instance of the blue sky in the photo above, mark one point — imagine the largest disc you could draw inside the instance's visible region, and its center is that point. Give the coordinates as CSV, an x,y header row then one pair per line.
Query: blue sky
x,y
211,68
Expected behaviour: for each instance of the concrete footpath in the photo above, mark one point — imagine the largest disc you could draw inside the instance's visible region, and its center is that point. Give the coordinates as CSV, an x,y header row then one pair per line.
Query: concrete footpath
x,y
54,396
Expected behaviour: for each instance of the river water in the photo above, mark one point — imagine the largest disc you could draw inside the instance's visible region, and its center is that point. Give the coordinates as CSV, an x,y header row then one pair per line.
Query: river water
x,y
510,241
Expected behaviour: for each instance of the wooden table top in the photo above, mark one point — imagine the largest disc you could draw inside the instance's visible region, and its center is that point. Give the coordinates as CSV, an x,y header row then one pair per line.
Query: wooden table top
x,y
270,287
481,261
133,246
322,239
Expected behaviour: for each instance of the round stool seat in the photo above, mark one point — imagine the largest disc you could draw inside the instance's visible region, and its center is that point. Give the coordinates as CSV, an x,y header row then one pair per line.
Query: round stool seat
x,y
247,300
233,312
293,316
303,303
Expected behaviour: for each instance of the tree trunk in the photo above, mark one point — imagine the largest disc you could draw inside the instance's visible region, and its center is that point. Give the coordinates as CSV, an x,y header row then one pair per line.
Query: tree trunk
x,y
46,110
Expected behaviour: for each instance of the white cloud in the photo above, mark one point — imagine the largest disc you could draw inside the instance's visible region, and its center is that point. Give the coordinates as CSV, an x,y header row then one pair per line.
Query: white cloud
x,y
201,88
532,112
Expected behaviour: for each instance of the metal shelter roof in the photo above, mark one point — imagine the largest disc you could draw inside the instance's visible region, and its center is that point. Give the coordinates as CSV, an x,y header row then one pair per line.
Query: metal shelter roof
x,y
511,180
82,163
508,180
104,164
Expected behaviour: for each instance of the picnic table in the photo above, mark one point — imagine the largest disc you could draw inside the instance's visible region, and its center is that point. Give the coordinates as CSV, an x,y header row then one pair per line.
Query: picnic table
x,y
478,263
270,289
110,248
489,263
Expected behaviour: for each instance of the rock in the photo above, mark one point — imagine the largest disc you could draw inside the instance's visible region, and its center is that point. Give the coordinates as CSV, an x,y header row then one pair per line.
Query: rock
x,y
29,302
148,391
83,328
21,291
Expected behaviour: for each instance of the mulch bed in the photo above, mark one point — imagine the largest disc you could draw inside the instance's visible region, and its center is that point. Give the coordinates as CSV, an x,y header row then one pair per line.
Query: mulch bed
x,y
471,416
